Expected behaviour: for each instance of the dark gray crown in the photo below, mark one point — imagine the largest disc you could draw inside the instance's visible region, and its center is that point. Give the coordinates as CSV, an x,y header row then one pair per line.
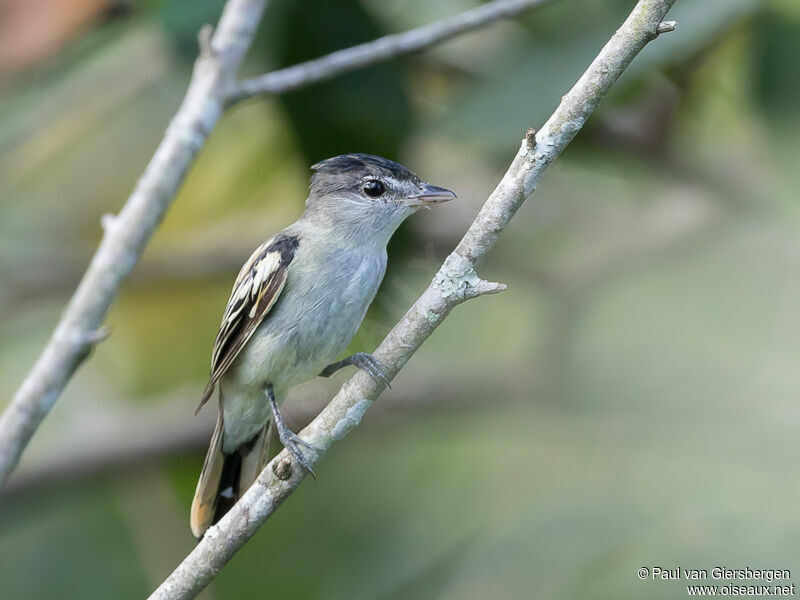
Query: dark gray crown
x,y
347,171
366,164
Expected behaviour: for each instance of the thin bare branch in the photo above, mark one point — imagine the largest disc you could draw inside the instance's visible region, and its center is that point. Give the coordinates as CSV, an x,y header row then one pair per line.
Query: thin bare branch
x,y
449,288
379,50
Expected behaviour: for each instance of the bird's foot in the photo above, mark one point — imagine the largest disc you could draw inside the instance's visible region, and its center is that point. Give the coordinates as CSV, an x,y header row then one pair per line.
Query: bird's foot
x,y
367,362
364,361
290,440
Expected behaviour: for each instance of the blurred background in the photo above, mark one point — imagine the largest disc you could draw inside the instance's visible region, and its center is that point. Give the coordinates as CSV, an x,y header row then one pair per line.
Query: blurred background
x,y
630,401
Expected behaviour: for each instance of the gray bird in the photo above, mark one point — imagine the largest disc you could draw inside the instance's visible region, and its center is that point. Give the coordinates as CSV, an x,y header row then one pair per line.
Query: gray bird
x,y
296,304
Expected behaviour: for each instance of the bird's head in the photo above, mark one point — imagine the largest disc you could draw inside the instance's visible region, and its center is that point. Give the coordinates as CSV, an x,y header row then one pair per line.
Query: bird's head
x,y
369,191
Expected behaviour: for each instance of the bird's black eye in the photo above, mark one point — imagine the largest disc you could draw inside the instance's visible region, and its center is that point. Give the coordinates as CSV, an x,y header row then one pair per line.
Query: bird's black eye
x,y
374,188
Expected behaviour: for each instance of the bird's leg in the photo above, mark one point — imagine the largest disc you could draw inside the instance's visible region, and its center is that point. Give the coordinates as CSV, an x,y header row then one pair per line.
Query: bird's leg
x,y
290,440
362,360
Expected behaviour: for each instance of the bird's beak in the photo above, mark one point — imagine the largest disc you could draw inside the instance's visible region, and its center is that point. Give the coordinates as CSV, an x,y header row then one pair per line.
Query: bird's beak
x,y
428,194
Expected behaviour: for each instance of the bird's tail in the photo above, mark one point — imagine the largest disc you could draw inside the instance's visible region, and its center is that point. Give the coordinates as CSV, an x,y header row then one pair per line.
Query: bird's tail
x,y
225,477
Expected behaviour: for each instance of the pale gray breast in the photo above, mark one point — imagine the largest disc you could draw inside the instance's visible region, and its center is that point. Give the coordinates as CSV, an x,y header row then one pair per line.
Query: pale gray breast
x,y
335,286
327,293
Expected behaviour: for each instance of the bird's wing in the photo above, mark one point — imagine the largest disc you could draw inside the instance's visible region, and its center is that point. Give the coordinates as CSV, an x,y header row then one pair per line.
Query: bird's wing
x,y
256,290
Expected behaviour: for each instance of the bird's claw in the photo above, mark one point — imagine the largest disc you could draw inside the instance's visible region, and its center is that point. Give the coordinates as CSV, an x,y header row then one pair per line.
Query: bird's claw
x,y
292,442
367,362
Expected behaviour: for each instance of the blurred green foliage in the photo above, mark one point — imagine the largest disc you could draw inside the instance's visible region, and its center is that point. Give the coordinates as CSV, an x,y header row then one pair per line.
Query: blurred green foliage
x,y
778,83
367,109
630,401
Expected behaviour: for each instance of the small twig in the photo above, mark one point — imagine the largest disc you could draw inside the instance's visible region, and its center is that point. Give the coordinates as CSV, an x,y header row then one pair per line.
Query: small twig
x,y
530,139
282,468
666,27
379,50
98,335
107,222
447,290
486,287
204,41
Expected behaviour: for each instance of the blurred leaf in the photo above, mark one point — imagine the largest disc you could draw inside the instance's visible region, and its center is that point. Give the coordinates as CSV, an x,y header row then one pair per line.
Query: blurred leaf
x,y
163,336
525,88
183,20
787,8
62,163
68,544
405,14
777,77
365,111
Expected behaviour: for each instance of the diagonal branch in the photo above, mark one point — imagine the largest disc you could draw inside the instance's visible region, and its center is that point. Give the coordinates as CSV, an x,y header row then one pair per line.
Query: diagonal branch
x,y
211,90
379,50
455,282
